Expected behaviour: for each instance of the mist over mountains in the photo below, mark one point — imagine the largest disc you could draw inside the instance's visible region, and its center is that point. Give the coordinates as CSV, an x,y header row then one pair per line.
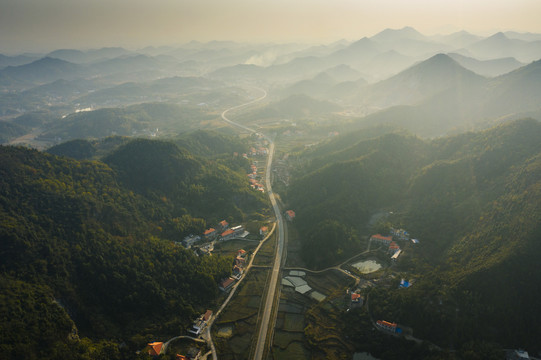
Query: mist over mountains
x,y
110,157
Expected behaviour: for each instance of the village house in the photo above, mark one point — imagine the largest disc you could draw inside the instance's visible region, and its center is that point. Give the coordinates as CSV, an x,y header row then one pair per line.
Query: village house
x,y
380,239
290,215
224,225
155,348
237,272
240,261
356,299
263,231
387,326
227,235
210,234
227,284
189,240
200,323
393,248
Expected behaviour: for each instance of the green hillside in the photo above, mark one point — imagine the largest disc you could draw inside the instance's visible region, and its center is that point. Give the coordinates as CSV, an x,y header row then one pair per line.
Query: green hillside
x,y
473,200
85,243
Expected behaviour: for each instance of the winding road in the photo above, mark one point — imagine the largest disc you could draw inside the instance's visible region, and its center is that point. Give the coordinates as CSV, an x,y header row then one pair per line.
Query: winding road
x,y
279,254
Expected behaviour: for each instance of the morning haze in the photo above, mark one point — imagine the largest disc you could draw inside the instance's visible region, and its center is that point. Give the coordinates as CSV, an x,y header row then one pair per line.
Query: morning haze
x,y
253,179
32,25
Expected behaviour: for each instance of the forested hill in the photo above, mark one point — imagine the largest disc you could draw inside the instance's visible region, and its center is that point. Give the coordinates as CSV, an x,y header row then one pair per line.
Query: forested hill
x,y
84,245
161,170
474,200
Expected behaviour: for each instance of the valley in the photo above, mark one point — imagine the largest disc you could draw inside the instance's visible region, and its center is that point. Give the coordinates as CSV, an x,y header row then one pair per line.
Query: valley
x,y
369,199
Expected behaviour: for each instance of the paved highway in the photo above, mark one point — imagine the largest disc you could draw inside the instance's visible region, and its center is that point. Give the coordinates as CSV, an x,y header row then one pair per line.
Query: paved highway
x,y
267,310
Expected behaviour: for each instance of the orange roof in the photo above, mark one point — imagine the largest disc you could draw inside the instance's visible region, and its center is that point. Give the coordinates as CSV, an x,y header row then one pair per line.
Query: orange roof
x,y
155,348
264,228
290,213
394,245
355,296
207,315
209,231
227,282
381,237
180,357
386,323
223,223
242,251
227,232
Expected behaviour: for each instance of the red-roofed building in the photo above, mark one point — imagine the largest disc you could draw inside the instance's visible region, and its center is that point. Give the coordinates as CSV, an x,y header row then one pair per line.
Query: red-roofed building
x,y
209,233
263,230
180,357
290,215
386,240
227,284
207,315
155,348
223,225
385,325
393,247
355,298
228,234
241,253
239,261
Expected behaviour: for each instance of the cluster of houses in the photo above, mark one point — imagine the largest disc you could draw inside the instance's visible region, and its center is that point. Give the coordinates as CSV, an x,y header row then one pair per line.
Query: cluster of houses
x,y
236,273
254,182
222,233
390,241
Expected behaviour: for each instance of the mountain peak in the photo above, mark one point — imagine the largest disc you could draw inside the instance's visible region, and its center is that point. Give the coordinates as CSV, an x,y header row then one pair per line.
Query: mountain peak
x,y
499,35
406,32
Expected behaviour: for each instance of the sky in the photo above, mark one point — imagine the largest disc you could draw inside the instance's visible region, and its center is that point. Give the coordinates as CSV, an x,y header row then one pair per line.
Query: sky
x,y
44,25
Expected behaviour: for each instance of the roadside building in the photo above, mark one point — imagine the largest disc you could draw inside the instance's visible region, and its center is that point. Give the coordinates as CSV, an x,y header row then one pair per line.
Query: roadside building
x,y
356,298
290,215
207,315
387,326
227,284
263,230
210,234
155,348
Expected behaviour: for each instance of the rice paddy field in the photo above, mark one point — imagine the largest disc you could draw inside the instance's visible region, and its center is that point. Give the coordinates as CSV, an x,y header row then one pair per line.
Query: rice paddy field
x,y
296,315
234,330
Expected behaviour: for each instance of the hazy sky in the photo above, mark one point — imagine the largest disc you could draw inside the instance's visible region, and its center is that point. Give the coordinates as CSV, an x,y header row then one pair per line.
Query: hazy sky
x,y
40,25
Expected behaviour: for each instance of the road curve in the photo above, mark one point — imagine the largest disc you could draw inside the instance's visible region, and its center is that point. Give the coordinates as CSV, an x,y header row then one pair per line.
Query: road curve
x,y
267,310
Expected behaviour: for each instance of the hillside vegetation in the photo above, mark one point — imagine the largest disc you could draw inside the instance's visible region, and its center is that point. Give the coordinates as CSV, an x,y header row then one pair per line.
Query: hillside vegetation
x,y
473,200
89,244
